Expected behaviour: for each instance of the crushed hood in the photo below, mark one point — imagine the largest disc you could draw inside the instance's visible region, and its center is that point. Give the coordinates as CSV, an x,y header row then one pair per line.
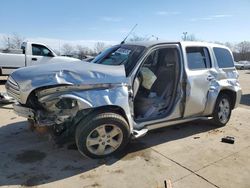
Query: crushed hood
x,y
72,73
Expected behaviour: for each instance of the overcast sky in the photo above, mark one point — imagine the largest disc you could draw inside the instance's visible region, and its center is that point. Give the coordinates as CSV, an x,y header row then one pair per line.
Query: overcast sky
x,y
88,21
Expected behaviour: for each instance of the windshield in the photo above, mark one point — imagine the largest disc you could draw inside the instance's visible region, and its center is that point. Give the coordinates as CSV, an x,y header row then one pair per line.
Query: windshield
x,y
126,55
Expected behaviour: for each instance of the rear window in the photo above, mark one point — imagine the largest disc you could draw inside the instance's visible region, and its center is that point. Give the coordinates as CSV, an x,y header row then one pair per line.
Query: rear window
x,y
223,57
198,58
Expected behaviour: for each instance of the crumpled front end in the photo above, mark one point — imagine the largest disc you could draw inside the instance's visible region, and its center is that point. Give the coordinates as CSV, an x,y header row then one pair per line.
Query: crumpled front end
x,y
57,105
57,96
60,109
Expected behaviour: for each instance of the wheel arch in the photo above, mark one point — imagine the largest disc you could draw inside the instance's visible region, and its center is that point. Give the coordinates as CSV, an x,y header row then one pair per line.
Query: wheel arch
x,y
231,94
108,108
212,97
112,108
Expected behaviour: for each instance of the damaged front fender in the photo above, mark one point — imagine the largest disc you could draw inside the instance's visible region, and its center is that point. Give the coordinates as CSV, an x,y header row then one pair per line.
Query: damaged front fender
x,y
64,102
55,98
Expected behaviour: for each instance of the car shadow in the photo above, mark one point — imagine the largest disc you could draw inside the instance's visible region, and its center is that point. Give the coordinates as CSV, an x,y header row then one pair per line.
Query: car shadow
x,y
30,159
6,105
245,99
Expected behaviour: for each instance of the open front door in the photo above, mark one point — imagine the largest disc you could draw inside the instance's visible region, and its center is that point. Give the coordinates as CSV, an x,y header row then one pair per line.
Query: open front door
x,y
155,84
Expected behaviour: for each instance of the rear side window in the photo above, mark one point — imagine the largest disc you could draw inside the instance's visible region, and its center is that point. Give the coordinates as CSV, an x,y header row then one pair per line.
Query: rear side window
x,y
223,57
198,58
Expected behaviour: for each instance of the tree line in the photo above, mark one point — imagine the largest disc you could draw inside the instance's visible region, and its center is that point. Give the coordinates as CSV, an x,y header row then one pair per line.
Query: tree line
x,y
80,51
15,40
241,50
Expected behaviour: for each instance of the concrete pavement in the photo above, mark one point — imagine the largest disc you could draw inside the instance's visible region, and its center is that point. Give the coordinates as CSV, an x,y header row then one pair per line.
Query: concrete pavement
x,y
190,155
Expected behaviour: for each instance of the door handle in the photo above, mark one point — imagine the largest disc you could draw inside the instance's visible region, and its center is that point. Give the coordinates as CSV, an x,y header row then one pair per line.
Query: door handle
x,y
210,78
34,59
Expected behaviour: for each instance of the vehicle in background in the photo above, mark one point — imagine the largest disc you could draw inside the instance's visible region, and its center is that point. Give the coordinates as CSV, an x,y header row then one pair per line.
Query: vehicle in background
x,y
242,65
127,90
29,54
238,65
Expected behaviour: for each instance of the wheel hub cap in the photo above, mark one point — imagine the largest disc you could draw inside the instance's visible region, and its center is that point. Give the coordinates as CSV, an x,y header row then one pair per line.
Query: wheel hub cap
x,y
224,110
104,139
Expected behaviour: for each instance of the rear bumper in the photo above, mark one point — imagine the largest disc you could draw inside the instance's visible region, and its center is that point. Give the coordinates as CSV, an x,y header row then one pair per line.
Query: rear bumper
x,y
23,111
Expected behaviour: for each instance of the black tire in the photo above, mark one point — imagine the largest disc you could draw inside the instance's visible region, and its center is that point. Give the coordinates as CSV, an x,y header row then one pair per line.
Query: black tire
x,y
86,127
217,118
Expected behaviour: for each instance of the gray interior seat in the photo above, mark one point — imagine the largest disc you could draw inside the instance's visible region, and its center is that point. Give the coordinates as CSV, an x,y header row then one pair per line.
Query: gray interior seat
x,y
163,87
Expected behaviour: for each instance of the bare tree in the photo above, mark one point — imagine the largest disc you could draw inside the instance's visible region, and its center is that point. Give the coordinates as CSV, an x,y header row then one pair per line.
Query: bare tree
x,y
217,42
243,47
230,45
243,50
189,37
13,41
135,38
67,49
82,51
99,47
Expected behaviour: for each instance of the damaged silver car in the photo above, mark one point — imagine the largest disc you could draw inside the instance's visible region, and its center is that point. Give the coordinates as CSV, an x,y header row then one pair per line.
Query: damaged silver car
x,y
127,90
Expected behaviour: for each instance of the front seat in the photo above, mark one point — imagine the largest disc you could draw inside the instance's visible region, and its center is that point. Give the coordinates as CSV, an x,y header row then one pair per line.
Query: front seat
x,y
160,94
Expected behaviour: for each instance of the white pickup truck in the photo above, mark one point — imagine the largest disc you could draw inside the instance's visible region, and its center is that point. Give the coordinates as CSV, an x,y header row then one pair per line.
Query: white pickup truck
x,y
30,54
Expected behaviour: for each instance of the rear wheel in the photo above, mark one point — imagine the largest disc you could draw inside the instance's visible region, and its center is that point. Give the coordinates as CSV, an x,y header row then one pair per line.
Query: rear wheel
x,y
104,134
222,110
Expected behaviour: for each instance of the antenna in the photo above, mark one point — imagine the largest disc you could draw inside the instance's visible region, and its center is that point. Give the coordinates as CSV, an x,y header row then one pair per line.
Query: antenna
x,y
129,34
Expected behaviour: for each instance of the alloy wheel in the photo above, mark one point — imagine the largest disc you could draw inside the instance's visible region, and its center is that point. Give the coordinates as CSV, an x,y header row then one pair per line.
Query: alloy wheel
x,y
104,139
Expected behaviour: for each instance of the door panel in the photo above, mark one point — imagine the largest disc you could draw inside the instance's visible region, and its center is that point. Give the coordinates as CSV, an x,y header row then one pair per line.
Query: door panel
x,y
40,55
196,92
198,66
38,60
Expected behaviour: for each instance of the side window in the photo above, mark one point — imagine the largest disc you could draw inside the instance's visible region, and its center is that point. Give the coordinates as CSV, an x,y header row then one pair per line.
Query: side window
x,y
40,50
198,58
223,57
36,50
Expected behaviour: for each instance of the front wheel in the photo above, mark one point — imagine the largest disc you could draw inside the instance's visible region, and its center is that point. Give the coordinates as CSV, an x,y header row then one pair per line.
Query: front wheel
x,y
222,110
104,134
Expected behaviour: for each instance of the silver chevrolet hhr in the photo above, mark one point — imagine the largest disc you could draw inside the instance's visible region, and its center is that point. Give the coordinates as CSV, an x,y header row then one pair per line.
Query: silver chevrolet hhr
x,y
127,90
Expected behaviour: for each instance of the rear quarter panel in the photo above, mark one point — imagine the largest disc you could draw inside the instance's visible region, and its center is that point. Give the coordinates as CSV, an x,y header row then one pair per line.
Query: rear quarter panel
x,y
226,79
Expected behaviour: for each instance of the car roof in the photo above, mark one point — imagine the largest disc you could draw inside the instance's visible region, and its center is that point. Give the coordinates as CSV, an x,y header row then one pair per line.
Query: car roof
x,y
149,44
